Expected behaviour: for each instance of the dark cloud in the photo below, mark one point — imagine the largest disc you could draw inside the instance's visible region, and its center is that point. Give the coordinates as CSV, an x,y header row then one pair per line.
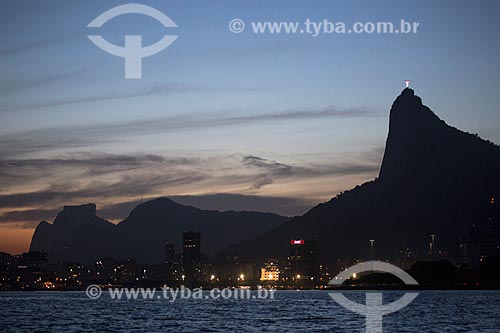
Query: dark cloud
x,y
28,216
37,141
102,176
87,159
272,166
93,163
86,164
260,183
138,185
270,170
105,178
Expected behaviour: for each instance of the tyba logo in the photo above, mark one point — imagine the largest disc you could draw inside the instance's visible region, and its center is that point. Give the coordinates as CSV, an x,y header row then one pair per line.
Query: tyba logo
x,y
132,51
373,309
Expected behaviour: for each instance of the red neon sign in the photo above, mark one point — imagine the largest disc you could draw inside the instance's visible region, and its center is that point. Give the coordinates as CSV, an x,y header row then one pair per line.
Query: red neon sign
x,y
297,241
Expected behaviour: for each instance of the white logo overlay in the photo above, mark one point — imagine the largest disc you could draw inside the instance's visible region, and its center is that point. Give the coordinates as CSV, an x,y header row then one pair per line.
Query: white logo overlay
x,y
374,309
133,52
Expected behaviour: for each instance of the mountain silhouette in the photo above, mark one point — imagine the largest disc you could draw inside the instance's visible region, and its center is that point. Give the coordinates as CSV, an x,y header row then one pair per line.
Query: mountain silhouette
x,y
434,179
78,234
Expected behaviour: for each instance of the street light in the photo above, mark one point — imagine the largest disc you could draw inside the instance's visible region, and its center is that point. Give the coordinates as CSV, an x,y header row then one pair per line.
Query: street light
x,y
432,245
371,247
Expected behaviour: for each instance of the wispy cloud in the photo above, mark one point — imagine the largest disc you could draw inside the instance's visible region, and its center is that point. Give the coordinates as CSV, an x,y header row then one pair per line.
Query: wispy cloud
x,y
9,85
114,179
90,163
38,44
270,169
28,218
89,135
166,88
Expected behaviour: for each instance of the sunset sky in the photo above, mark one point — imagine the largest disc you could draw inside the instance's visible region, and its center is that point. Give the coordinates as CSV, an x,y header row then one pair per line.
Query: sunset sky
x,y
281,121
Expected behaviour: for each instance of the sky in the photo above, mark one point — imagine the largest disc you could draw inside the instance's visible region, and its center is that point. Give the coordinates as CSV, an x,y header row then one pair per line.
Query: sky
x,y
223,120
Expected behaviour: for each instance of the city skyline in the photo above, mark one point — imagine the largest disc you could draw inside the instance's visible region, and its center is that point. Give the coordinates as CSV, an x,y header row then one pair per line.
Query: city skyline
x,y
302,268
73,131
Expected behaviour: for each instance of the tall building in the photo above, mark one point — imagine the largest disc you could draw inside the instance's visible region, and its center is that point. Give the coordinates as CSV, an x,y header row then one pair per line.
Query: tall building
x,y
303,259
169,253
191,255
470,254
169,269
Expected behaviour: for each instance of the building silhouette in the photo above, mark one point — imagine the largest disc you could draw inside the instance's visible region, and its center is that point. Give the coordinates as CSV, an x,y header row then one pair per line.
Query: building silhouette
x,y
303,259
169,253
191,255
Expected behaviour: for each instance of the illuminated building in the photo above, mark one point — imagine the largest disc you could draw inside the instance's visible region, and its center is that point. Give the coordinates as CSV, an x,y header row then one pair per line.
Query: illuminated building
x,y
270,272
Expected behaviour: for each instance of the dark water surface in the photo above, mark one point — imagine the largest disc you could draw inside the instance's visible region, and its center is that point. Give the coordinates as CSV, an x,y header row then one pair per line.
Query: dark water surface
x,y
290,311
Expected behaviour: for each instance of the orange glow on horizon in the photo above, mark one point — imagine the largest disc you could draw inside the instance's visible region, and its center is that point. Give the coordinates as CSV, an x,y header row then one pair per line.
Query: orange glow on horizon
x,y
15,240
